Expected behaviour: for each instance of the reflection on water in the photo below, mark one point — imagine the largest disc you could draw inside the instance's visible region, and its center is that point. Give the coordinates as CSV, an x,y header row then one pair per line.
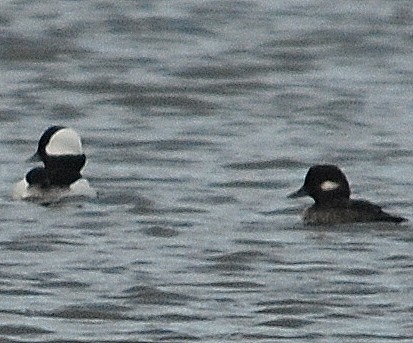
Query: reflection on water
x,y
198,119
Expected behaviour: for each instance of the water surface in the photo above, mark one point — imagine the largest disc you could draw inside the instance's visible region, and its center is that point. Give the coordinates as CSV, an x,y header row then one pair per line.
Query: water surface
x,y
198,118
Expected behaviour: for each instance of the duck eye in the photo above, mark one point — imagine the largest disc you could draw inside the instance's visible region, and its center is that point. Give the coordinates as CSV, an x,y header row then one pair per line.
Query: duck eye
x,y
329,185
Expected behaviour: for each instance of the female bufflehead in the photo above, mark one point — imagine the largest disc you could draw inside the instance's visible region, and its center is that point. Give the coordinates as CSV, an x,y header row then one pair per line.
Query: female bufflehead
x,y
60,149
329,188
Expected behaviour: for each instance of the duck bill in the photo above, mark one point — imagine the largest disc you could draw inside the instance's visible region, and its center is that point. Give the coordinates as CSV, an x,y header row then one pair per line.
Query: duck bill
x,y
298,194
34,158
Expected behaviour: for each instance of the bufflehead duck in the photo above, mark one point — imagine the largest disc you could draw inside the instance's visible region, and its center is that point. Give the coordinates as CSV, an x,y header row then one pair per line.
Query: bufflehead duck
x,y
60,149
329,188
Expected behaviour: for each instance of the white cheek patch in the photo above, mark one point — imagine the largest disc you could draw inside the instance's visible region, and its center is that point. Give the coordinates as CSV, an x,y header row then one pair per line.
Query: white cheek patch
x,y
329,185
64,142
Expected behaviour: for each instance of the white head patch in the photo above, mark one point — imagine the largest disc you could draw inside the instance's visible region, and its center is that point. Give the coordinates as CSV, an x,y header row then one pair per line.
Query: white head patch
x,y
329,185
64,142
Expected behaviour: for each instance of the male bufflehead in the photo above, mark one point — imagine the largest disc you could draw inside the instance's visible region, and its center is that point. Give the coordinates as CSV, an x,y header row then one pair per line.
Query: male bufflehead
x,y
329,188
60,149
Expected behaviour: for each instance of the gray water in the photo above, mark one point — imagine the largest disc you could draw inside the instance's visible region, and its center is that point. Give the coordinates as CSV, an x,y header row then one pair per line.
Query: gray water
x,y
198,118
